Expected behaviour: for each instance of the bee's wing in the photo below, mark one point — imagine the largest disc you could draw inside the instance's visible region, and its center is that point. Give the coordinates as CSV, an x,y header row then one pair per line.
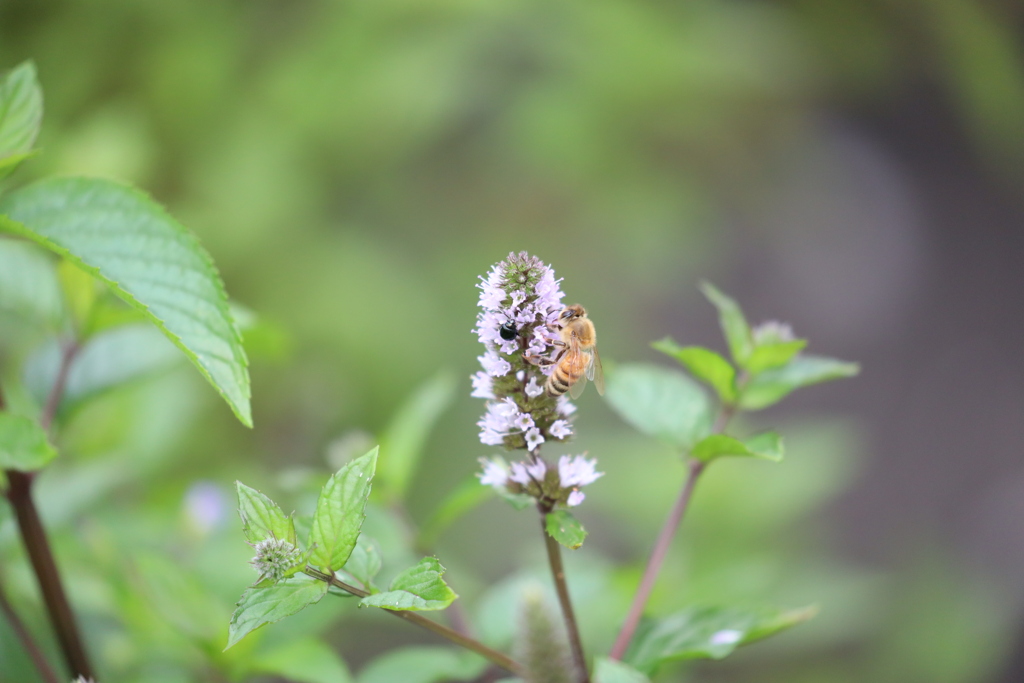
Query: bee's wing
x,y
578,386
594,371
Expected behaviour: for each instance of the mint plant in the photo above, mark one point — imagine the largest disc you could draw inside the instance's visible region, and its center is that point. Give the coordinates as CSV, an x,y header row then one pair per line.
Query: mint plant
x,y
520,303
96,267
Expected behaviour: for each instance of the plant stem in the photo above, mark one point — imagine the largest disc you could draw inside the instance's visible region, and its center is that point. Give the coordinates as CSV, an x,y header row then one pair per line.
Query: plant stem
x,y
476,646
46,671
661,547
38,548
562,589
68,353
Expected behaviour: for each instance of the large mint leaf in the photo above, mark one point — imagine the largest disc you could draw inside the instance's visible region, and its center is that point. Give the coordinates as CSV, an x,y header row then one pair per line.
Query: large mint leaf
x,y
418,588
21,112
340,513
23,444
306,660
265,604
148,259
660,402
613,671
28,283
767,446
707,632
705,365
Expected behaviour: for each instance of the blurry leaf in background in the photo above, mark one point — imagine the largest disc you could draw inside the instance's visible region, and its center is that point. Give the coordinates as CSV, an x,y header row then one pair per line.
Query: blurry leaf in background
x,y
265,604
148,259
564,528
734,324
465,497
705,365
402,443
107,360
613,671
423,665
660,402
706,632
767,446
28,284
364,563
23,444
80,293
340,513
418,588
771,386
306,660
21,112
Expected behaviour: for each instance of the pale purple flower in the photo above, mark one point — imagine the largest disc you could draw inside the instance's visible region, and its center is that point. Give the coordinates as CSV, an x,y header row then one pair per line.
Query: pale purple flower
x,y
482,385
565,406
495,472
523,422
494,365
560,429
772,332
577,471
533,439
524,472
533,389
575,498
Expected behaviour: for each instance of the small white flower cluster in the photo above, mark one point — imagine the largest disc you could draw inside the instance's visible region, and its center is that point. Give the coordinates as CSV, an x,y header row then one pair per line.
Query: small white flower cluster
x,y
773,332
504,418
534,478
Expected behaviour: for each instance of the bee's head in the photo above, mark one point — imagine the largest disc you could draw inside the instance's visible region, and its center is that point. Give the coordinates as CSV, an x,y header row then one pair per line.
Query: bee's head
x,y
571,313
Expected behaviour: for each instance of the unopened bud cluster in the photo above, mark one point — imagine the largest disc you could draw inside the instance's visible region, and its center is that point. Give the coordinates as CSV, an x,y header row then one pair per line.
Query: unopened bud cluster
x,y
274,558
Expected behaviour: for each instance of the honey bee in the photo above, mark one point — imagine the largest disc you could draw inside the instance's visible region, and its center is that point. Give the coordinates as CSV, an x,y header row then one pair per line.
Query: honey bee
x,y
577,359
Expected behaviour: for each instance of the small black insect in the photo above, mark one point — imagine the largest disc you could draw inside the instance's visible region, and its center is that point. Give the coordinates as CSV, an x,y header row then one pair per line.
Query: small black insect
x,y
508,331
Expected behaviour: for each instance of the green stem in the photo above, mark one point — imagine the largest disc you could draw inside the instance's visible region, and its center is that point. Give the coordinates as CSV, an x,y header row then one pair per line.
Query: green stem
x,y
562,589
661,546
476,646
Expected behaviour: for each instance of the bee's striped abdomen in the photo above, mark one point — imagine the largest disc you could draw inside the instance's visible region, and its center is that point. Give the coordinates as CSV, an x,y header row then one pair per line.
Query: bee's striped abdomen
x,y
565,374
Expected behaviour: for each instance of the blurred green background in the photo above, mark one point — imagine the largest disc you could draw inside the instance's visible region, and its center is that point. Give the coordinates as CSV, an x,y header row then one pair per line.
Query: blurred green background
x,y
853,168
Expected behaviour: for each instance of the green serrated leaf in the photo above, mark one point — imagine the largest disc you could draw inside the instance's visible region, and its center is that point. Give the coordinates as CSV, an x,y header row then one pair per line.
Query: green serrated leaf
x,y
340,513
148,259
402,442
734,324
660,402
565,528
418,588
364,563
707,632
705,365
467,496
613,671
306,660
423,664
767,446
773,355
28,284
23,444
265,604
771,386
108,360
21,113
261,517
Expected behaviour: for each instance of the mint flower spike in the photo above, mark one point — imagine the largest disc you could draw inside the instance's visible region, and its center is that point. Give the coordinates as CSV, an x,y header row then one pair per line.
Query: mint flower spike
x,y
520,301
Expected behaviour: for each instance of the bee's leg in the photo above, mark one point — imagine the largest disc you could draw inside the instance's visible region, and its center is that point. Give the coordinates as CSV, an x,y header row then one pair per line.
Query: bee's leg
x,y
541,361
